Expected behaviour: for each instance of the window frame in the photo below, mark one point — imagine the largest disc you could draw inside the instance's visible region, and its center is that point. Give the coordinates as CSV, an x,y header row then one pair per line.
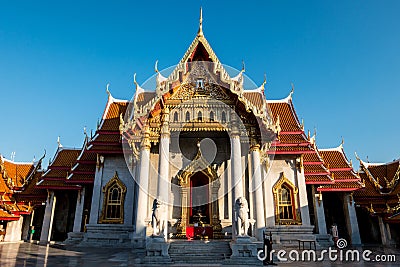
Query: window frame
x,y
113,205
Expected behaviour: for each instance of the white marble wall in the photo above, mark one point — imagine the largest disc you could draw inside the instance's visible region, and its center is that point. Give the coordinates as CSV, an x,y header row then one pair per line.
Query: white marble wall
x,y
103,174
289,167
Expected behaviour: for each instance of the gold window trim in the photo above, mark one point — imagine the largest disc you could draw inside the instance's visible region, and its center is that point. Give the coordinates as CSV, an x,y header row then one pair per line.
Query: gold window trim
x,y
295,207
109,185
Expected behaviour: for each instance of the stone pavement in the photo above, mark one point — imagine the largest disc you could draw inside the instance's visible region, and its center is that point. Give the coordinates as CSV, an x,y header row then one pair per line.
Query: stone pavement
x,y
25,254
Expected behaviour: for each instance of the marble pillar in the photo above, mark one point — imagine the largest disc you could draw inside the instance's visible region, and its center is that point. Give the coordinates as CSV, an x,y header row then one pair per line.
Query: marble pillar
x,y
47,225
142,198
303,201
258,192
79,210
236,169
97,191
351,219
319,212
14,230
164,187
385,232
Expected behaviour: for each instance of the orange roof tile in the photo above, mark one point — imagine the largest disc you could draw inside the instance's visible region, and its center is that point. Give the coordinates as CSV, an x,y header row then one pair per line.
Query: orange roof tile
x,y
256,98
15,171
64,157
31,192
288,120
334,158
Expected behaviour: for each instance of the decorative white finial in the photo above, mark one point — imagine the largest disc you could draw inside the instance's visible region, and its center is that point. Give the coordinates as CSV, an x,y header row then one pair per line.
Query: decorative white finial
x,y
108,91
58,142
357,157
200,32
156,66
13,156
134,80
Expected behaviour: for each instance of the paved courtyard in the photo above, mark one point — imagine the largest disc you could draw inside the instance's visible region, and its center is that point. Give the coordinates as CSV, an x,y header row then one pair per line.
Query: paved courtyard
x,y
25,254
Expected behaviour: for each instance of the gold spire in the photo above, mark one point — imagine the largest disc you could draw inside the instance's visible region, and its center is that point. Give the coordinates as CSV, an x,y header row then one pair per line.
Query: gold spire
x,y
200,32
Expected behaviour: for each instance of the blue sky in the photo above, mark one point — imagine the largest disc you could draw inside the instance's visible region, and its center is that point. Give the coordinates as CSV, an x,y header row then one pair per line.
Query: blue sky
x,y
56,58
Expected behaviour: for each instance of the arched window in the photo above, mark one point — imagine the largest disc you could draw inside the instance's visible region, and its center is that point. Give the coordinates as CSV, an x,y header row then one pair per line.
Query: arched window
x,y
199,116
285,205
285,197
211,116
187,116
223,117
176,116
113,202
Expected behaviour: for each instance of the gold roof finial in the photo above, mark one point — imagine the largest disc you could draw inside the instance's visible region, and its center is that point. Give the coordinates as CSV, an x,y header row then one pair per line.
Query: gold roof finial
x,y
200,32
265,80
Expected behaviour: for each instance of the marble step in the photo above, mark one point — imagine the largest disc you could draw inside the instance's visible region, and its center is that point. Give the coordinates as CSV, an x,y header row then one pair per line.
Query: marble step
x,y
199,251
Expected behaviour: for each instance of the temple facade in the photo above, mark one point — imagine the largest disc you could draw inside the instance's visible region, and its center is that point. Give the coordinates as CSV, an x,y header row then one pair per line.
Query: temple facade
x,y
198,157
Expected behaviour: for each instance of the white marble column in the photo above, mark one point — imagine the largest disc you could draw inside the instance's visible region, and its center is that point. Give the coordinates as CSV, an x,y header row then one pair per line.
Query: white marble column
x,y
95,208
143,183
47,225
258,194
79,210
236,168
319,212
351,219
236,164
382,231
14,230
164,187
385,231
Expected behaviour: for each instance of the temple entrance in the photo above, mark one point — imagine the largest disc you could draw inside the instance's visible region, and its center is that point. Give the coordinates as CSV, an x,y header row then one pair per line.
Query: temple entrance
x,y
199,184
199,210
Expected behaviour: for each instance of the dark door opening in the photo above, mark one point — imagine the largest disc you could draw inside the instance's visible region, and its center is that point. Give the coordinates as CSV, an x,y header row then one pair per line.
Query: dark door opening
x,y
199,199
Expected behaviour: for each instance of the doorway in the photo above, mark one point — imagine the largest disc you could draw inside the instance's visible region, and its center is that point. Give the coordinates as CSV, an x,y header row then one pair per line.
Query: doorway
x,y
199,209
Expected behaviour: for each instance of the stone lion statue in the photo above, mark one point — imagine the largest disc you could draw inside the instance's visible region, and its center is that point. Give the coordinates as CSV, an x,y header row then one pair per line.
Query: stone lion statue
x,y
157,220
242,216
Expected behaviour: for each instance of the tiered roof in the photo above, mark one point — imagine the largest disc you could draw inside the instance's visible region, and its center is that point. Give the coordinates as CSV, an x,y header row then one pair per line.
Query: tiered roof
x,y
59,169
315,170
291,137
84,168
14,176
341,170
107,139
381,194
15,173
328,168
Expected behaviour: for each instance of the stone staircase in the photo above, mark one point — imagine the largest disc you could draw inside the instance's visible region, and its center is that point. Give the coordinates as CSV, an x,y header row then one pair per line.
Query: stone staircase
x,y
199,251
